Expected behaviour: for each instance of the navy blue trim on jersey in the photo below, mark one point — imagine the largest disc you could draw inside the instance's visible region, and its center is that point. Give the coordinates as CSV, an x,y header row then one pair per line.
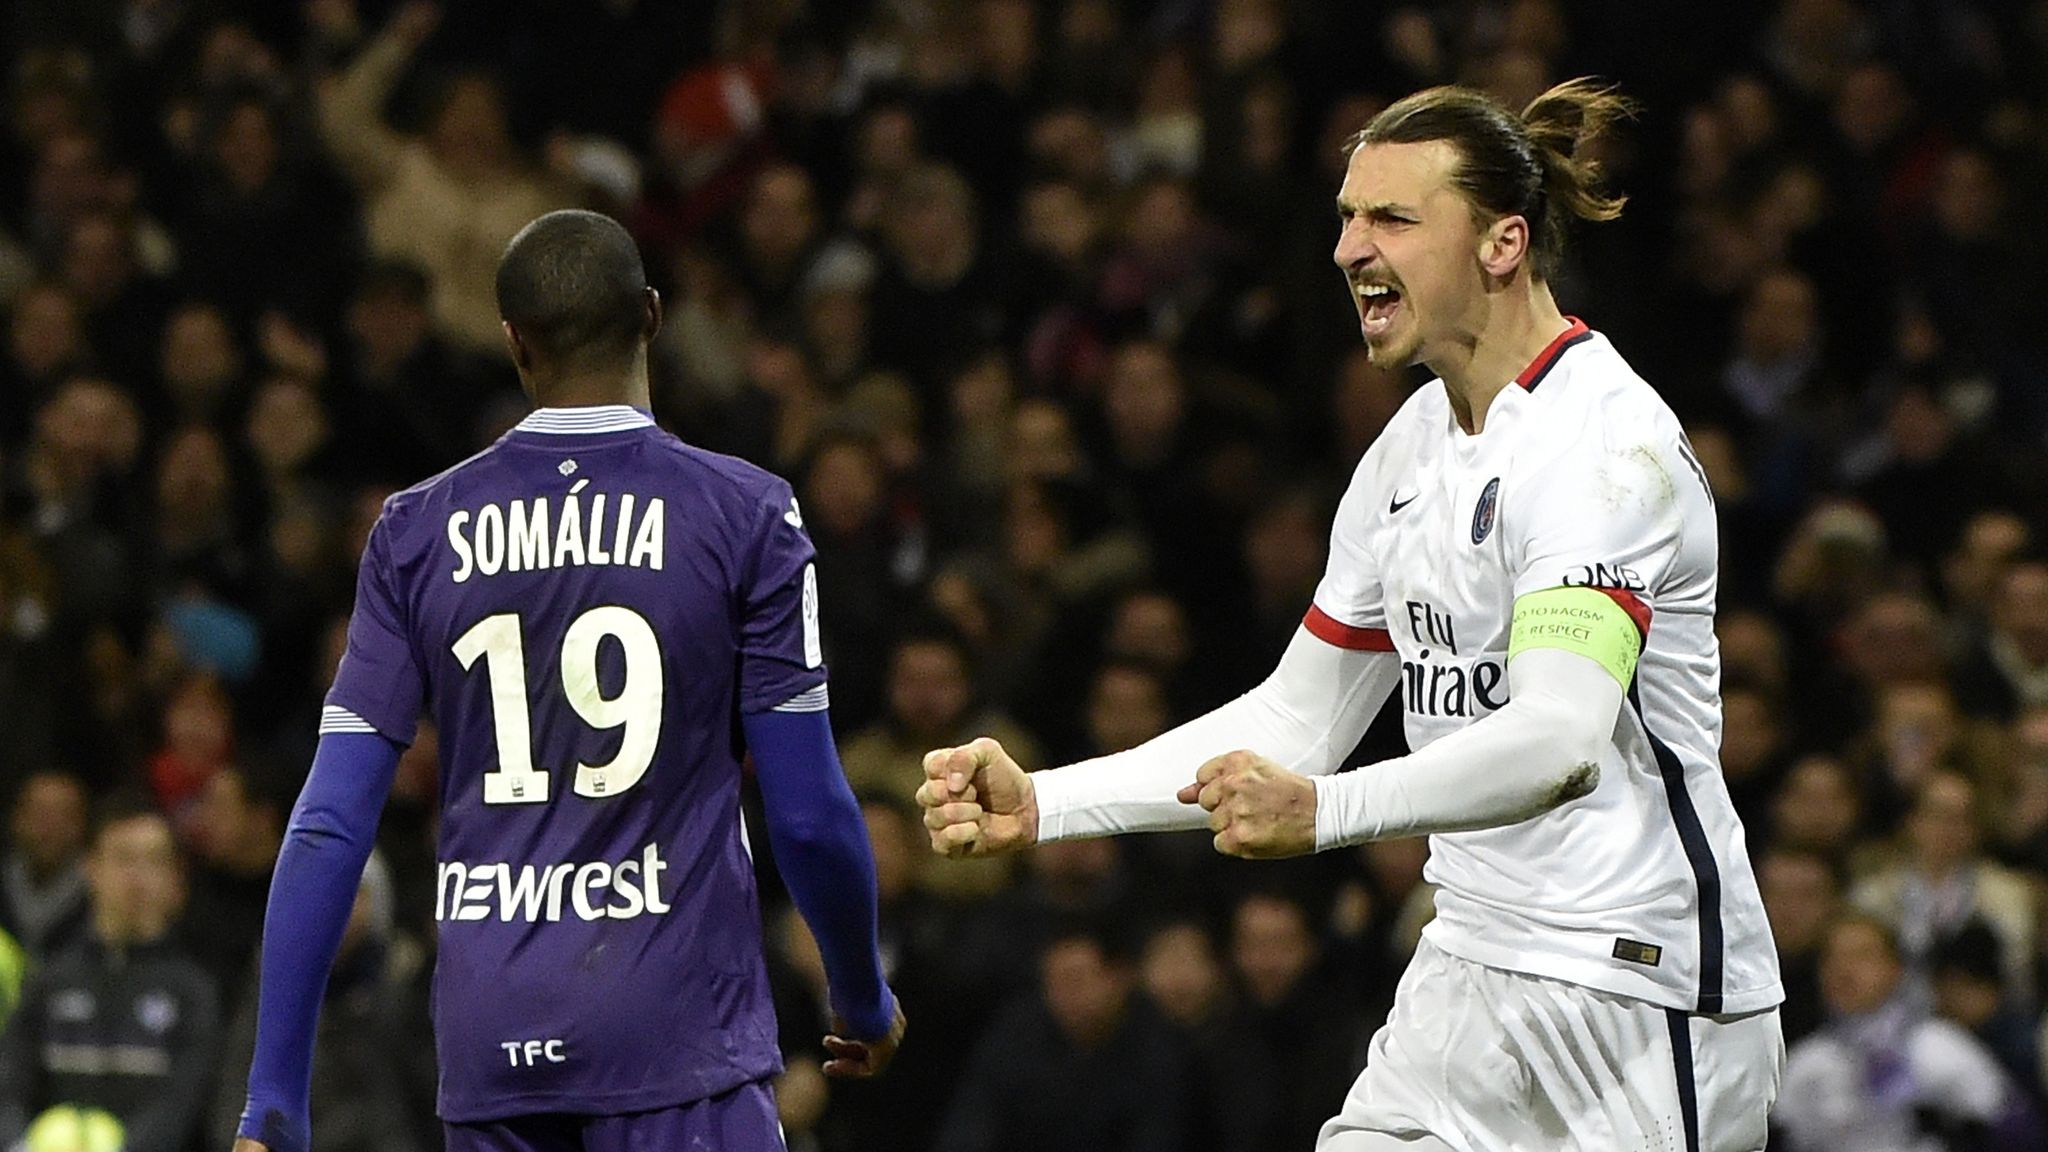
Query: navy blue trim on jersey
x,y
1706,874
1547,359
1688,1087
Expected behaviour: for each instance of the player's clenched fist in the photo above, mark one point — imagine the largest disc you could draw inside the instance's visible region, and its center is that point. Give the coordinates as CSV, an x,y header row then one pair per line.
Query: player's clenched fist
x,y
977,801
1257,809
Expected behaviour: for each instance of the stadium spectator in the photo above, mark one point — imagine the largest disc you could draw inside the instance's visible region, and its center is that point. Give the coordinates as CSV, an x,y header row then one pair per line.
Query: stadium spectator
x,y
2008,672
198,742
1944,883
363,1021
1970,991
993,956
1754,750
1802,893
843,1116
1883,1074
126,1022
405,399
239,826
931,695
261,184
1084,1037
1818,809
448,199
43,887
45,343
1290,1007
1239,1086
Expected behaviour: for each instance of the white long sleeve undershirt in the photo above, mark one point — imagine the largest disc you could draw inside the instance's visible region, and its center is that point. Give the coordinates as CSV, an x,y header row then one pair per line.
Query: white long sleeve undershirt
x,y
1308,715
1538,751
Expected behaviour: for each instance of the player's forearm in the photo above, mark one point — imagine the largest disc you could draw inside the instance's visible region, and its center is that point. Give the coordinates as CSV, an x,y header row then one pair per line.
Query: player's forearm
x,y
1538,752
1307,715
312,891
821,846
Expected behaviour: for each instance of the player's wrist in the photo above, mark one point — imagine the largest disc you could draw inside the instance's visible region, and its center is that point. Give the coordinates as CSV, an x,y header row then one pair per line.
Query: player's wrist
x,y
273,1128
1049,800
1336,823
872,1021
1028,811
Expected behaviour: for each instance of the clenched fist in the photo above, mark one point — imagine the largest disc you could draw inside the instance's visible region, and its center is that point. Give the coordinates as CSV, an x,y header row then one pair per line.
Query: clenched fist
x,y
977,801
1257,809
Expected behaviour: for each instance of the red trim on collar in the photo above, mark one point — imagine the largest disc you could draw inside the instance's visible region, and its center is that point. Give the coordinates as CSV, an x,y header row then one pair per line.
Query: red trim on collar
x,y
1538,367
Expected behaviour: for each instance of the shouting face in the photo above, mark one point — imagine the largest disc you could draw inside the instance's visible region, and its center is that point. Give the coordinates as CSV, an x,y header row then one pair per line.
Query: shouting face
x,y
1417,259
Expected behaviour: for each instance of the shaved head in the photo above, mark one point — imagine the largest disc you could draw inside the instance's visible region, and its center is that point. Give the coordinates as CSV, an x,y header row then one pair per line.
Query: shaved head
x,y
573,289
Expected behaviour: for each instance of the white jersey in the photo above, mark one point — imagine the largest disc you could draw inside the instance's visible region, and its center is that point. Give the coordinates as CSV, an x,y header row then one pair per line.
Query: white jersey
x,y
1581,476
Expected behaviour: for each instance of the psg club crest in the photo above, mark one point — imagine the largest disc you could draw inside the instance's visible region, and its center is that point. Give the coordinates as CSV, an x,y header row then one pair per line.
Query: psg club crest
x,y
1482,516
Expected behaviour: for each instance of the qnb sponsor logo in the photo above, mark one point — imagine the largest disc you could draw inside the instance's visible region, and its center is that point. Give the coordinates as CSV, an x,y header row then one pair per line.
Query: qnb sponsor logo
x,y
532,893
1616,576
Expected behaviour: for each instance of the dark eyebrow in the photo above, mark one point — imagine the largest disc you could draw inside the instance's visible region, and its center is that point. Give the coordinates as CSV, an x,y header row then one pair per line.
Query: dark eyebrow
x,y
1376,211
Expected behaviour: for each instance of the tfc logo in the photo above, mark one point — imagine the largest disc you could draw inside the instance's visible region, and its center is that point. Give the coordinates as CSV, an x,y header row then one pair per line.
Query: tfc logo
x,y
626,890
533,1051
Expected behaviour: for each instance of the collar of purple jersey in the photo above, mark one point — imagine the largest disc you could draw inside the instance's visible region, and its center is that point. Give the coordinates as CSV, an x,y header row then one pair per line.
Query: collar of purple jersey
x,y
583,421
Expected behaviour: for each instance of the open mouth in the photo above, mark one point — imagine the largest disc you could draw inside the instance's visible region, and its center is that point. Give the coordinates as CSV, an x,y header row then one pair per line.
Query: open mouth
x,y
1377,304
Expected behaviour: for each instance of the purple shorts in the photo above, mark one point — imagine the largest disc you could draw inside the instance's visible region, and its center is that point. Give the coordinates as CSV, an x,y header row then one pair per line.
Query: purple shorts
x,y
742,1120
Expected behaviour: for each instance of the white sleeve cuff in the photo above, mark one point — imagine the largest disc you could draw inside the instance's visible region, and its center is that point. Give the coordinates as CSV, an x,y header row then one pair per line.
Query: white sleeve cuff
x,y
1330,823
336,719
810,700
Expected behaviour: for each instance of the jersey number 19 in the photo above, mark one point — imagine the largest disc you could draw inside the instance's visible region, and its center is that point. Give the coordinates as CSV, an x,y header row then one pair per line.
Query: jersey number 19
x,y
637,706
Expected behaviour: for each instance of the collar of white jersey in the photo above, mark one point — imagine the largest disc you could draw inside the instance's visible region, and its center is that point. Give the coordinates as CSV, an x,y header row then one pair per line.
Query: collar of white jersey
x,y
1547,359
584,421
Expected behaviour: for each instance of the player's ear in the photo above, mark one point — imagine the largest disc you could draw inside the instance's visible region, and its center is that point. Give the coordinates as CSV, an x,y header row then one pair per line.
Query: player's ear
x,y
654,315
521,358
1504,245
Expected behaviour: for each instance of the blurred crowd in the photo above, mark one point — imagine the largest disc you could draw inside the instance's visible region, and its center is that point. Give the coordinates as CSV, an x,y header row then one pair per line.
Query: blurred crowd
x,y
1031,301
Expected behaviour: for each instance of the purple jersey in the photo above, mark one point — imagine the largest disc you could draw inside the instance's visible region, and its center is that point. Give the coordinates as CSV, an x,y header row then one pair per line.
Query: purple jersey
x,y
588,606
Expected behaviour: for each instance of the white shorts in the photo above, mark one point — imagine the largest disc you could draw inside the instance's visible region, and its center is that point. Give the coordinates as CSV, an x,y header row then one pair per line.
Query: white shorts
x,y
1483,1059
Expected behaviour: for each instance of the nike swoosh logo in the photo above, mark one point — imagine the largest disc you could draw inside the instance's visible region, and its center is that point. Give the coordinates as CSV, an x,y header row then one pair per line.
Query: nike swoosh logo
x,y
1396,504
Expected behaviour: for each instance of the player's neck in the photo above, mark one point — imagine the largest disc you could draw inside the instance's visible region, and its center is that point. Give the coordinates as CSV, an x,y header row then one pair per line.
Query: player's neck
x,y
1517,326
593,390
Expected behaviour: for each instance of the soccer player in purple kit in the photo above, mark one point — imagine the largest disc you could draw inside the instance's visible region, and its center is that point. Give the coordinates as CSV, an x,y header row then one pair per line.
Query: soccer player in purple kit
x,y
603,621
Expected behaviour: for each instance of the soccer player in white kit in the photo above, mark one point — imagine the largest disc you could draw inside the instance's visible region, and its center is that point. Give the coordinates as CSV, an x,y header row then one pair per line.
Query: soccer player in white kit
x,y
1528,555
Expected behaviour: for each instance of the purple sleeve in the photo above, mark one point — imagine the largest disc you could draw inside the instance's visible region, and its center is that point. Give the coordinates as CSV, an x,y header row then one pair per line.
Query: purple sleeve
x,y
821,844
379,678
319,869
780,656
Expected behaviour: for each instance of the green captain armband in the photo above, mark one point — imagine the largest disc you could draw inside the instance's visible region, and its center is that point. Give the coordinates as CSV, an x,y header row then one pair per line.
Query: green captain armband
x,y
1582,620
